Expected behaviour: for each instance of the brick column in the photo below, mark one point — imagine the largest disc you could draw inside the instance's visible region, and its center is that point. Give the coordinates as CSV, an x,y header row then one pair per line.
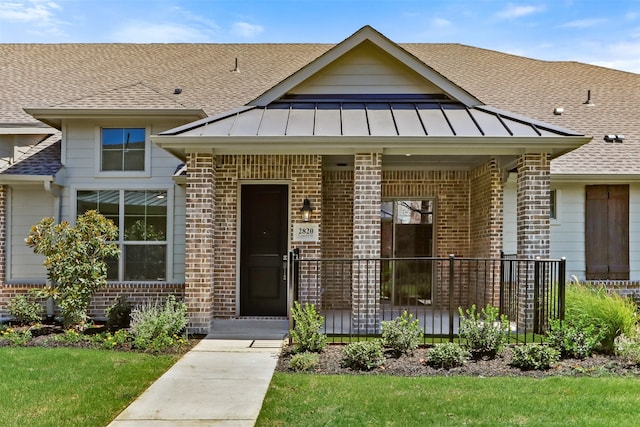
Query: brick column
x,y
199,250
367,194
532,221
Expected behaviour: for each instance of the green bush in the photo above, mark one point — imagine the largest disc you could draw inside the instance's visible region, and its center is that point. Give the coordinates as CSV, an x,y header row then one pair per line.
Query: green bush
x,y
305,361
534,356
119,314
26,309
306,334
156,326
608,312
402,334
75,260
447,355
627,348
363,355
484,334
573,340
16,337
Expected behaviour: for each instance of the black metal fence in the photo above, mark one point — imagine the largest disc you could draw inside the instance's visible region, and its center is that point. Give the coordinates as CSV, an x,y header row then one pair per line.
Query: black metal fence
x,y
355,295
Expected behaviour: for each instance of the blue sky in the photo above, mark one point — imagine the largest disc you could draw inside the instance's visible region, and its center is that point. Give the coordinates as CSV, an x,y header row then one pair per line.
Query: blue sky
x,y
601,32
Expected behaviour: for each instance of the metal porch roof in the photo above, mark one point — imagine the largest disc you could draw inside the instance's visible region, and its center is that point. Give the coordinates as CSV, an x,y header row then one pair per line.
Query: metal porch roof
x,y
369,118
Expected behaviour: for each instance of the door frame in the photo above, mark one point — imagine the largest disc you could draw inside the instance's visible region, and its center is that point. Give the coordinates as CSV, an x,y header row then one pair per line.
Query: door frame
x,y
240,183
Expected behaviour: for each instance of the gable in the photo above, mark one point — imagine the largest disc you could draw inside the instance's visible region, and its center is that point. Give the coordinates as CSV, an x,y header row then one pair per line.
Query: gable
x,y
366,70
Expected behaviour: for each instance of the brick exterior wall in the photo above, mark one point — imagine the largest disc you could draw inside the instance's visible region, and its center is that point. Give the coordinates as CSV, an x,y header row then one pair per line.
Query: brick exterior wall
x,y
451,192
199,240
486,219
532,209
302,172
337,224
367,196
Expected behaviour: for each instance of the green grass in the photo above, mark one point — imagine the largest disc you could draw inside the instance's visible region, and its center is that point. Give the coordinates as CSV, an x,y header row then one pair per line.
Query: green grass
x,y
72,387
365,400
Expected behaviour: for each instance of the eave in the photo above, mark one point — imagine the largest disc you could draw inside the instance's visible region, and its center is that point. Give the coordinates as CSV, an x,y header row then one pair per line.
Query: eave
x,y
54,116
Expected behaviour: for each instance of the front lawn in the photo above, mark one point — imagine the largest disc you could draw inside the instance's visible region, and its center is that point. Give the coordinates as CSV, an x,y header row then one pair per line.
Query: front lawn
x,y
70,386
365,400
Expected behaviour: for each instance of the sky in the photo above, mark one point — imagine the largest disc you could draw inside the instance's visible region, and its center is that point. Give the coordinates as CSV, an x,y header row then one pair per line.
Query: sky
x,y
599,32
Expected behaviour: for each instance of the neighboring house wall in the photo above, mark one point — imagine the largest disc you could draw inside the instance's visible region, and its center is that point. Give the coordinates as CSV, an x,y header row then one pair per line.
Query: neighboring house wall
x,y
568,228
26,207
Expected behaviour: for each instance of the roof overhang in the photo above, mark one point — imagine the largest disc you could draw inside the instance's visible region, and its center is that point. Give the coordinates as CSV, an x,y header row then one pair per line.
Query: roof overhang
x,y
387,145
54,116
26,130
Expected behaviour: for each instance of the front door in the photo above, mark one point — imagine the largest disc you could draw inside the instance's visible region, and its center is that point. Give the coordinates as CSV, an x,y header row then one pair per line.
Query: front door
x,y
263,243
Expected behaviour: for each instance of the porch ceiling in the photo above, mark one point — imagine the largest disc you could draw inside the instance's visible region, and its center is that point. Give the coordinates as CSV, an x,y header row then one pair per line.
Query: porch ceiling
x,y
425,125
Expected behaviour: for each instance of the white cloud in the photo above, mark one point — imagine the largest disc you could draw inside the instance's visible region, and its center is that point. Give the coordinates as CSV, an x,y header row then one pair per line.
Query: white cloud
x,y
441,22
246,30
32,11
141,32
516,11
583,23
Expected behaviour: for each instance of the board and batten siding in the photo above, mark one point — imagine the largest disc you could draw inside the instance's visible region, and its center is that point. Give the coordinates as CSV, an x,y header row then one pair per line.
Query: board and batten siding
x,y
26,207
366,69
568,229
80,142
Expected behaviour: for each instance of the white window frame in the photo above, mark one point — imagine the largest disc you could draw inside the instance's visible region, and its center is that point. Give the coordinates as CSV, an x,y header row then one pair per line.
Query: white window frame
x,y
146,173
121,242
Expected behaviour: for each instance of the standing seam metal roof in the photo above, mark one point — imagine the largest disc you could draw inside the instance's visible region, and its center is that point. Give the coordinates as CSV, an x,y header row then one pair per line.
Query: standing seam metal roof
x,y
369,118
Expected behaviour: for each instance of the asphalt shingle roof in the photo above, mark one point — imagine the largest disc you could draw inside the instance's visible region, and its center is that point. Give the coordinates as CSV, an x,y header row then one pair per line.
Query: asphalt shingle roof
x,y
94,75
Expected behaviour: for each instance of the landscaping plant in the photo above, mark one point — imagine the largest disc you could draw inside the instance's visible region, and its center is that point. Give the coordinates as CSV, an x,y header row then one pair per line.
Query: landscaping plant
x,y
627,348
363,355
534,356
611,314
119,314
156,326
447,355
306,334
305,361
75,261
576,340
402,334
483,334
26,309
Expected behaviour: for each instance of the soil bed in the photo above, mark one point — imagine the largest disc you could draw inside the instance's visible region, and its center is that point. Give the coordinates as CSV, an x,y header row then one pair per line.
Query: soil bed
x,y
414,364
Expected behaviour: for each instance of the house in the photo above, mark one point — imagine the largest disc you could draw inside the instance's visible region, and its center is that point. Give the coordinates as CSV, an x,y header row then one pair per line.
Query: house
x,y
208,155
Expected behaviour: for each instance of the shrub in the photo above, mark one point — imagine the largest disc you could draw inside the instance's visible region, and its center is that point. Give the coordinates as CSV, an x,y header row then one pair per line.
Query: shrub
x,y
119,339
447,355
26,309
156,326
16,337
534,356
610,313
305,361
306,330
363,355
401,334
75,260
119,314
627,348
572,340
483,334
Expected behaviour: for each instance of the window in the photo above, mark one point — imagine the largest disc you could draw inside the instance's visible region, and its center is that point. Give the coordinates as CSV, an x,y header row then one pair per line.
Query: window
x,y
407,234
122,149
553,213
141,218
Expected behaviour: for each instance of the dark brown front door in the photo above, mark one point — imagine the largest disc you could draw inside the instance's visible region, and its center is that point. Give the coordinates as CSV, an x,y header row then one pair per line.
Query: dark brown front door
x,y
263,243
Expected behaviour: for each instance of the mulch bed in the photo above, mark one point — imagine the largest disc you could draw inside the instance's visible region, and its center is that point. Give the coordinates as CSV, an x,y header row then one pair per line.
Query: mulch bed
x,y
413,365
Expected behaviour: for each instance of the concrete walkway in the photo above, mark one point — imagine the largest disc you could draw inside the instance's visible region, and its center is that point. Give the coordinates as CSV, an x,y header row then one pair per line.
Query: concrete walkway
x,y
222,381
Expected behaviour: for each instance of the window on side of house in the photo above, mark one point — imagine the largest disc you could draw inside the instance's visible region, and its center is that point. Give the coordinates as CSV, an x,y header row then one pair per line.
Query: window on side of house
x,y
553,206
141,218
122,149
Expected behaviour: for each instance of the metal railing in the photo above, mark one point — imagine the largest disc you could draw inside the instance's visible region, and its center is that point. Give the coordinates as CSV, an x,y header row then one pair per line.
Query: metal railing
x,y
355,295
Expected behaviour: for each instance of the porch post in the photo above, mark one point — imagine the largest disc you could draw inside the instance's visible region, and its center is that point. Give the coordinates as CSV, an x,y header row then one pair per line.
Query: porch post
x,y
532,221
199,251
367,195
